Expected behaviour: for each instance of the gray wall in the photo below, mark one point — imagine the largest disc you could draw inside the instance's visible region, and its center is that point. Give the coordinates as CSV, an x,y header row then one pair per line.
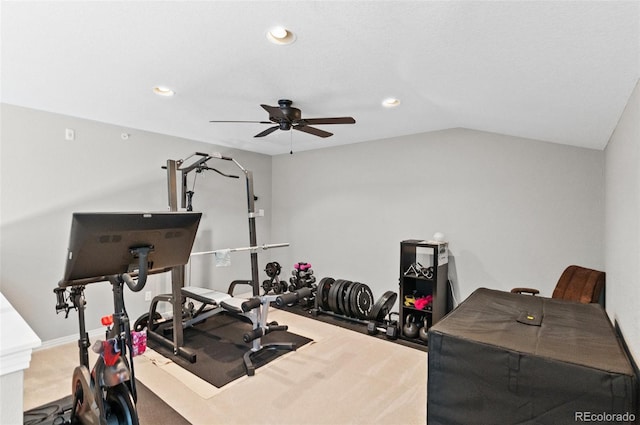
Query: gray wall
x,y
46,178
515,212
622,236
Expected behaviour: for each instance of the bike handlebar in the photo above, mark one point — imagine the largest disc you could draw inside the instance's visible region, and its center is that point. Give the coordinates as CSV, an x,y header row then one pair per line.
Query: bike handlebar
x,y
143,266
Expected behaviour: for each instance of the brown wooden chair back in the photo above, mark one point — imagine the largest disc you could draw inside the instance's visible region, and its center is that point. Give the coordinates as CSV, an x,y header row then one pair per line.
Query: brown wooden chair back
x,y
580,284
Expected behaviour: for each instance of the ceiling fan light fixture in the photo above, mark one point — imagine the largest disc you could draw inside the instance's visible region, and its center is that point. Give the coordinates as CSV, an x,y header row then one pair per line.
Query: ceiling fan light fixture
x,y
390,102
280,35
163,91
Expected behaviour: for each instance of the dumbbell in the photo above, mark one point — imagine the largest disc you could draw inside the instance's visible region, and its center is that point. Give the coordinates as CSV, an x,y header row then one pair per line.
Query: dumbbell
x,y
390,330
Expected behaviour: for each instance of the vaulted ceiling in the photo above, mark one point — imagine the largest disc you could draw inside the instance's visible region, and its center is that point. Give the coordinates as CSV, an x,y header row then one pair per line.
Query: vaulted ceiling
x,y
550,70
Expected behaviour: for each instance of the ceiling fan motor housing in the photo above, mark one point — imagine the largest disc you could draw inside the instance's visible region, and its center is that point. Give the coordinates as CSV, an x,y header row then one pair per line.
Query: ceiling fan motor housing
x,y
291,114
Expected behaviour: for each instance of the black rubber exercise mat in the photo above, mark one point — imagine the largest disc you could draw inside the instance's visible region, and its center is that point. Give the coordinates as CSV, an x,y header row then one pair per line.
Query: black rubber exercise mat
x,y
151,410
219,348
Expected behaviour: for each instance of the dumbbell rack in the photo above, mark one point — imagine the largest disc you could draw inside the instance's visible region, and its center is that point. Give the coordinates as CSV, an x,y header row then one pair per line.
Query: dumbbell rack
x,y
302,276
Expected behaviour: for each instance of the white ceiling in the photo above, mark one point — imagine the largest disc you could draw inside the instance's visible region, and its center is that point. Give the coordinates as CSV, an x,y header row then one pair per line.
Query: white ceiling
x,y
555,71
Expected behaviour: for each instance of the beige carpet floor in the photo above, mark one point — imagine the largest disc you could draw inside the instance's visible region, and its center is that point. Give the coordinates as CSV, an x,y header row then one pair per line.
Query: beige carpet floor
x,y
342,377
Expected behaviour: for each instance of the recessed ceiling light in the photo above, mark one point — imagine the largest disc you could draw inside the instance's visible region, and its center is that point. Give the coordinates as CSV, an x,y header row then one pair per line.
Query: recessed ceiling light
x,y
280,35
390,102
279,32
163,91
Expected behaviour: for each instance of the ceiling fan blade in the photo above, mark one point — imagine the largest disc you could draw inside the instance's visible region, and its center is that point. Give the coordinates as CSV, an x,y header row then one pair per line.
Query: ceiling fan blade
x,y
267,131
254,122
312,130
337,120
274,112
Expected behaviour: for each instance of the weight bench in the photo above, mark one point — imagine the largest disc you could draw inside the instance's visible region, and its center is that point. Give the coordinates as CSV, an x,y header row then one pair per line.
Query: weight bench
x,y
211,304
255,310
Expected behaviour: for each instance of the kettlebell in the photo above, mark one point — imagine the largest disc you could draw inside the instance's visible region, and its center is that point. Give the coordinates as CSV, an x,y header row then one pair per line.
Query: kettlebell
x,y
422,334
410,329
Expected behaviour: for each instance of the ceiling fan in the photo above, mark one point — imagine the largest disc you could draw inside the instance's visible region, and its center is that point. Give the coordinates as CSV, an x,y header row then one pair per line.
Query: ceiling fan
x,y
287,117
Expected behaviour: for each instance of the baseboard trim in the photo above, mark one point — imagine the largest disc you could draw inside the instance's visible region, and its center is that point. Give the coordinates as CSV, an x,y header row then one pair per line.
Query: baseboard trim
x,y
68,339
95,333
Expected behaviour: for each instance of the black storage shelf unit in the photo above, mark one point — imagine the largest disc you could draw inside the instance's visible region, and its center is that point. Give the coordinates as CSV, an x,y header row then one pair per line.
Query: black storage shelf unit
x,y
431,256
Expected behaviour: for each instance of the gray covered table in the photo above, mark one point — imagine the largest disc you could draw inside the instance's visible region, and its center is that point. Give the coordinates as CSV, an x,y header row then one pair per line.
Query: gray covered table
x,y
503,358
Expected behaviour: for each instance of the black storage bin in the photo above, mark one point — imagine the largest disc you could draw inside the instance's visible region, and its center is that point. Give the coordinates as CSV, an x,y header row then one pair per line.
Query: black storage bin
x,y
503,358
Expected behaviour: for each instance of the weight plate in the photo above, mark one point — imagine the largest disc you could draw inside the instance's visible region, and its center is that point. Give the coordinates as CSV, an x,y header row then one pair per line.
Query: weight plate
x,y
273,269
332,289
362,301
323,292
382,307
333,299
377,308
347,299
335,296
350,298
277,287
342,298
338,294
143,322
357,286
319,292
266,285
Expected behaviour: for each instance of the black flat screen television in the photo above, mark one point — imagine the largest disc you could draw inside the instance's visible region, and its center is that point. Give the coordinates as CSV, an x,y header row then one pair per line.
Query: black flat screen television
x,y
101,244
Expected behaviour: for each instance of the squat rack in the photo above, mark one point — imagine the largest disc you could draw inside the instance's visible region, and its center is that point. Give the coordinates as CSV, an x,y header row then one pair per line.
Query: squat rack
x,y
177,273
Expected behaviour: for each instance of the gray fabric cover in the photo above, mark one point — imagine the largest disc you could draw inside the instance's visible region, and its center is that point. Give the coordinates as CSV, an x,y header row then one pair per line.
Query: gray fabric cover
x,y
503,358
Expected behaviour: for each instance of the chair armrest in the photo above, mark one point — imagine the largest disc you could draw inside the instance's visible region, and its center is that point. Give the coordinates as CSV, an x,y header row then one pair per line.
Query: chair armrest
x,y
525,291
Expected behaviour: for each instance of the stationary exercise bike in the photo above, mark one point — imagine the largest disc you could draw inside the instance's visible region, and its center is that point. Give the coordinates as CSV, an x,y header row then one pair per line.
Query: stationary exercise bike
x,y
133,245
108,394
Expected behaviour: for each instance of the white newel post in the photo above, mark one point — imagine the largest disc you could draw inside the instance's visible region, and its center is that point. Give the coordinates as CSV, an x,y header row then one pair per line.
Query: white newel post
x,y
17,341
